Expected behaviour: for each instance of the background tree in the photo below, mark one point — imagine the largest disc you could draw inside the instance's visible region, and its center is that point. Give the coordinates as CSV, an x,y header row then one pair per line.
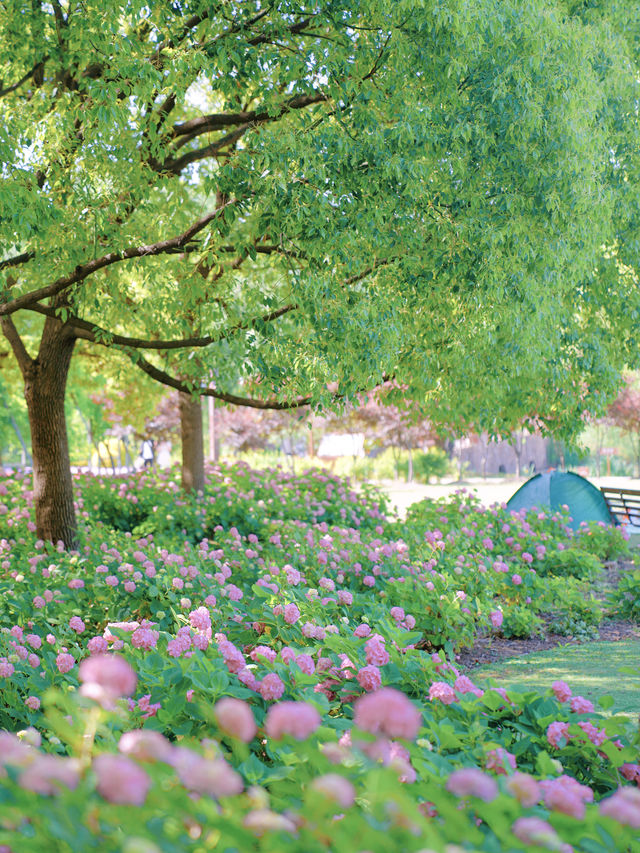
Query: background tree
x,y
254,181
624,413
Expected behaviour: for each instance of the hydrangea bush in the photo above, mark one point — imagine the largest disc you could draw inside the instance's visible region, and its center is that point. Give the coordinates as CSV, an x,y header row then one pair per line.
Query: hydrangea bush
x,y
272,667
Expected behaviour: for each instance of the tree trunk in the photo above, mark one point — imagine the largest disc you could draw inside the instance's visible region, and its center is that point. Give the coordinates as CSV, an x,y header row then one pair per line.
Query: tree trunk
x,y
410,466
192,443
45,380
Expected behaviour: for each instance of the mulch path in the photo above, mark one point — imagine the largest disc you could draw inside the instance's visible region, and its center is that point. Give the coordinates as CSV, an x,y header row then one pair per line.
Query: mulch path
x,y
491,649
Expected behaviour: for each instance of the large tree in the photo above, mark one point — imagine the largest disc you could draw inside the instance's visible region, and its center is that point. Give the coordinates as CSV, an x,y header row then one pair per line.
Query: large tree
x,y
313,194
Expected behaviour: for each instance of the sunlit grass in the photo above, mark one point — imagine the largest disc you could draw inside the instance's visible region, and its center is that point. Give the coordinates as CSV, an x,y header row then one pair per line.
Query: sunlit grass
x,y
591,670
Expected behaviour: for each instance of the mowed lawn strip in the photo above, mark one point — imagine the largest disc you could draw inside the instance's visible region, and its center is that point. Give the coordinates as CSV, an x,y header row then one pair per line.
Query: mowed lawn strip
x,y
591,670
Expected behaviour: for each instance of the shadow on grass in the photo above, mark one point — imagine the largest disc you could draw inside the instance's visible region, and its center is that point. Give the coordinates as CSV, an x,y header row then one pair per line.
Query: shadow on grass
x,y
591,670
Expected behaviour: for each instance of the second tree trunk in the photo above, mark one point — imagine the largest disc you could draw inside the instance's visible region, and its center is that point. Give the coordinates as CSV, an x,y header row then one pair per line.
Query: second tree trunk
x,y
192,443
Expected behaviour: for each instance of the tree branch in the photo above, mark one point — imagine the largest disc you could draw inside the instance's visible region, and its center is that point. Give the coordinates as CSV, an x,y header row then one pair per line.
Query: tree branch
x,y
166,379
93,333
16,260
180,163
19,350
218,121
37,67
82,271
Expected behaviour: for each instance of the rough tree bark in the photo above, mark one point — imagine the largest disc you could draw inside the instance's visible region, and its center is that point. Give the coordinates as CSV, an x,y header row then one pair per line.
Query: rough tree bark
x,y
45,380
192,443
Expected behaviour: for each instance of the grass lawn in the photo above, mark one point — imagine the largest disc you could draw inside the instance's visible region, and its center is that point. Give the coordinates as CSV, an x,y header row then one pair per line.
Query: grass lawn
x,y
591,670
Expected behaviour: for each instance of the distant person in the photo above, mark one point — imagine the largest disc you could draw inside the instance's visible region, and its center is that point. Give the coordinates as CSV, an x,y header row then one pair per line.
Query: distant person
x,y
147,453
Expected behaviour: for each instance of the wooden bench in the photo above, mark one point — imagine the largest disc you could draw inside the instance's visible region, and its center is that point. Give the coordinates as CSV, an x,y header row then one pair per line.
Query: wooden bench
x,y
624,504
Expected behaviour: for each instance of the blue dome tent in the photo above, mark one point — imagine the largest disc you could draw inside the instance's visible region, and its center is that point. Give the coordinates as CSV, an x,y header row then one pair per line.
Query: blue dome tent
x,y
554,489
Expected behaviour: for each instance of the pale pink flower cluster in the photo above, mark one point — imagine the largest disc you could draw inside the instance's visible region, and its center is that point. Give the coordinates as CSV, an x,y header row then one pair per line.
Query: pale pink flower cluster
x,y
561,690
387,711
47,774
499,759
120,780
580,705
65,662
297,719
463,684
144,638
472,782
375,652
369,678
214,777
623,806
534,830
524,788
106,677
291,613
557,732
145,745
271,687
76,624
336,788
235,718
565,794
443,692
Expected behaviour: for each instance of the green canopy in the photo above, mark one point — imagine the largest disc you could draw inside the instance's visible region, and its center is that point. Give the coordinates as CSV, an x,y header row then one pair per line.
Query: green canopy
x,y
556,489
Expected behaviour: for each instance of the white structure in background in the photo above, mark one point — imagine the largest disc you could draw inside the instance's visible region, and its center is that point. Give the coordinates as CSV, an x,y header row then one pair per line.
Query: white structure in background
x,y
334,445
163,454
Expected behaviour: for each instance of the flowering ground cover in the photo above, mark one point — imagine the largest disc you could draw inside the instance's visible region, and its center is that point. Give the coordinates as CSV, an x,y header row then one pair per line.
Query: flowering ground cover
x,y
271,667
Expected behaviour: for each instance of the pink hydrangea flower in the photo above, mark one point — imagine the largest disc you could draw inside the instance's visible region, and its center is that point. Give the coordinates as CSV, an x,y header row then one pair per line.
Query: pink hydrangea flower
x,y
65,662
557,732
306,664
565,794
144,638
76,624
499,759
463,684
442,691
534,830
596,736
496,618
272,687
581,705
524,788
97,645
106,677
375,652
145,745
336,788
297,719
120,780
47,774
389,712
561,690
235,718
623,806
369,678
32,702
362,630
472,782
200,619
263,652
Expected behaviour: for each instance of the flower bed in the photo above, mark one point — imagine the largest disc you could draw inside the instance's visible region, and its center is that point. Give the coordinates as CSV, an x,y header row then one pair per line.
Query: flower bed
x,y
272,668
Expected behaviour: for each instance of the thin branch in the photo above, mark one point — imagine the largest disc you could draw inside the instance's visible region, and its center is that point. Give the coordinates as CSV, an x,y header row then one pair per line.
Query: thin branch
x,y
93,333
82,271
19,350
38,66
16,260
180,163
166,379
218,121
